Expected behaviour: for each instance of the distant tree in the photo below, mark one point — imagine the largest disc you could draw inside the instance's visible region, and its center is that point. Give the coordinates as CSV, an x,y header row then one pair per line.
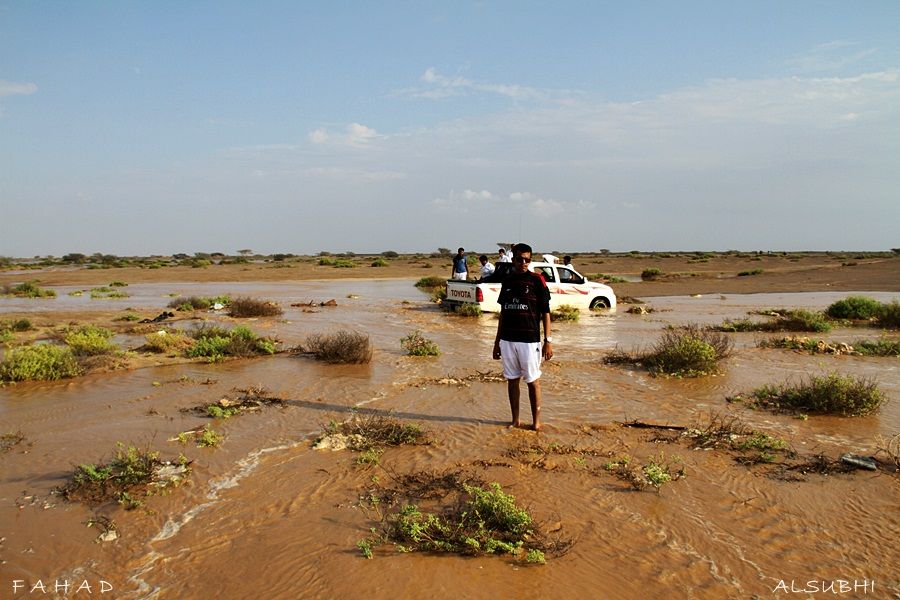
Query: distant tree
x,y
217,255
74,257
202,255
389,254
180,256
604,250
245,252
444,251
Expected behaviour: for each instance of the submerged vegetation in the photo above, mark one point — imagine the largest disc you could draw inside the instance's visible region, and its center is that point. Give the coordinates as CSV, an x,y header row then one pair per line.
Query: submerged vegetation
x,y
879,347
250,307
89,340
457,513
836,394
349,347
190,303
565,313
215,343
416,344
133,472
28,289
784,320
689,351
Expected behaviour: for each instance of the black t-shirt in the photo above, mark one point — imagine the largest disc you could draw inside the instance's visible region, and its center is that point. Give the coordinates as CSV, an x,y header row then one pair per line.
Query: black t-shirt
x,y
524,299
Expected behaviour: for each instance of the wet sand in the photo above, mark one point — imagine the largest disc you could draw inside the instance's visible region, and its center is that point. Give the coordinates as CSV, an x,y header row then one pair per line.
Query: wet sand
x,y
266,516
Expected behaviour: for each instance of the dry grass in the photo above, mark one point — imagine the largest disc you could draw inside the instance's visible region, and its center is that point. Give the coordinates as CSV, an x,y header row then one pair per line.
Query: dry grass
x,y
348,347
250,307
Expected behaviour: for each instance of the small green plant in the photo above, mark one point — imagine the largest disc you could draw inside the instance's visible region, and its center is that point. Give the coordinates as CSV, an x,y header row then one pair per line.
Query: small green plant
x,y
417,345
89,340
42,362
880,347
844,395
164,340
380,262
651,273
854,307
565,313
370,456
785,320
688,351
118,284
751,272
535,556
208,438
365,546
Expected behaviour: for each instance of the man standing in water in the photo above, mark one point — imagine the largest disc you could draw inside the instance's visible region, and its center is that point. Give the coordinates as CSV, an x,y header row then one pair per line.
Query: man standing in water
x,y
524,305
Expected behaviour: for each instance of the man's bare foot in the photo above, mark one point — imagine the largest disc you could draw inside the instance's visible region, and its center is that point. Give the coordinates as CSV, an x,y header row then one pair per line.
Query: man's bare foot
x,y
537,427
514,425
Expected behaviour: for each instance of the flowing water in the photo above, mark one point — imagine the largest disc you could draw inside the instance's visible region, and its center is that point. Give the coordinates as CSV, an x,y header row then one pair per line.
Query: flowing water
x,y
266,516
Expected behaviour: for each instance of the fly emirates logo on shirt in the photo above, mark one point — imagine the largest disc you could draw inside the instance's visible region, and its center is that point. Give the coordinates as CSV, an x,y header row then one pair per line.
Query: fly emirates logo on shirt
x,y
515,303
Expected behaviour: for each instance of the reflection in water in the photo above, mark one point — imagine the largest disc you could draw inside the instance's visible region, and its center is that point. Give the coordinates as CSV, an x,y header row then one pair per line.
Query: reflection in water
x,y
266,516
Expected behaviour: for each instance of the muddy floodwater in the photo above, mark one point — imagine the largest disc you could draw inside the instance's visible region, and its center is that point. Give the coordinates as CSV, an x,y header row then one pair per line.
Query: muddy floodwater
x,y
266,516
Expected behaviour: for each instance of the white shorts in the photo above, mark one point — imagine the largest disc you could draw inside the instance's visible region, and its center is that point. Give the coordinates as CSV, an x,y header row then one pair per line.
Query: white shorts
x,y
521,359
461,276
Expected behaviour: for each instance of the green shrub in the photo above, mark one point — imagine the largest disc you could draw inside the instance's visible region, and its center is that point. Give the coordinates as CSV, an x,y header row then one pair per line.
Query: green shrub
x,y
432,281
688,351
854,307
89,340
785,320
39,363
751,272
349,347
28,289
650,274
469,309
565,313
118,284
881,347
888,315
844,395
380,262
16,325
417,345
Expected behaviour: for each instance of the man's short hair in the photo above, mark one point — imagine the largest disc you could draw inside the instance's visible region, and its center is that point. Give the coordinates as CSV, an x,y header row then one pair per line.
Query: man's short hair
x,y
461,250
521,248
482,257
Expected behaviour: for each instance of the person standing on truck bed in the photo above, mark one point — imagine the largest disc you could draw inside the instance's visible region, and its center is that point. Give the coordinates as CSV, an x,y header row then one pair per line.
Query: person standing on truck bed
x,y
487,269
460,270
524,306
504,257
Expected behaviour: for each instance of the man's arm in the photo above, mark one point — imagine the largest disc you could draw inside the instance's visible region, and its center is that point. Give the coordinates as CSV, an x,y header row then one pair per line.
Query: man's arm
x,y
496,353
547,350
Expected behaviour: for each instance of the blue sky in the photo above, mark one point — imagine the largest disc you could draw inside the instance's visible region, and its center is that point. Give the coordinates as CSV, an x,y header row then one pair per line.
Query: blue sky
x,y
160,127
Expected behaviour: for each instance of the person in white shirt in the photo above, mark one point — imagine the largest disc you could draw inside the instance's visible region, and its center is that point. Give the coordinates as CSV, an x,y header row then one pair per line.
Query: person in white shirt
x,y
504,256
487,269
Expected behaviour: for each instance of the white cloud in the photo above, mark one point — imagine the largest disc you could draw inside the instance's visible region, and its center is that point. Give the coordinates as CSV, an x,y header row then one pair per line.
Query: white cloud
x,y
12,88
830,56
440,86
319,136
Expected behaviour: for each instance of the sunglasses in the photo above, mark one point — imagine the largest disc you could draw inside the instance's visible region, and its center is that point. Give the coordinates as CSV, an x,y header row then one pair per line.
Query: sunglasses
x,y
521,259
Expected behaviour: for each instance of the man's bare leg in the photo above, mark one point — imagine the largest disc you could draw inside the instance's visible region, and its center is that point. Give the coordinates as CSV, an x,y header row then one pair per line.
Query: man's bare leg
x,y
534,395
512,387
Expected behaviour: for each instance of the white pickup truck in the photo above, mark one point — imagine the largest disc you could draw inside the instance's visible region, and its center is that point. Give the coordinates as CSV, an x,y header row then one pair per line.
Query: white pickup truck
x,y
567,287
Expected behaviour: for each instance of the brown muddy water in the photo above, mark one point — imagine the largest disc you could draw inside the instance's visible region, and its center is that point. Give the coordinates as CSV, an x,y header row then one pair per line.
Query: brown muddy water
x,y
266,516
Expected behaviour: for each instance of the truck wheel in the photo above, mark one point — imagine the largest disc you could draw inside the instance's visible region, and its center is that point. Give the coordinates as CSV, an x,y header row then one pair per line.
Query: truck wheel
x,y
598,303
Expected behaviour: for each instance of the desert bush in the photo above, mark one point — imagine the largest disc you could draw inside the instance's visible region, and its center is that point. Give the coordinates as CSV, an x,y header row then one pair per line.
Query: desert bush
x,y
163,341
16,325
650,274
688,351
185,303
751,272
249,307
880,347
844,395
28,289
469,309
417,345
374,430
565,313
854,307
341,347
390,254
215,343
118,284
785,320
89,340
430,282
42,362
888,315
380,262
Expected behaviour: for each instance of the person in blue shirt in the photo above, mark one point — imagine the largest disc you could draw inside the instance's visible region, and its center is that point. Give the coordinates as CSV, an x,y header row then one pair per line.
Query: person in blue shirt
x,y
460,270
